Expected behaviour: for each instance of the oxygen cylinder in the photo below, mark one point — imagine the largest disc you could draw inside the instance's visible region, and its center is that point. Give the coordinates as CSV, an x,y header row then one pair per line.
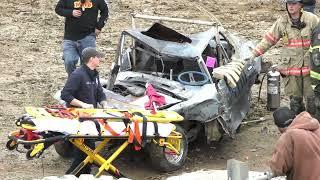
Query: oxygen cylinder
x,y
273,89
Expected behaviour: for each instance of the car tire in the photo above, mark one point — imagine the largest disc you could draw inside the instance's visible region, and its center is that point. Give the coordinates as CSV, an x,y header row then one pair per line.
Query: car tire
x,y
165,162
64,149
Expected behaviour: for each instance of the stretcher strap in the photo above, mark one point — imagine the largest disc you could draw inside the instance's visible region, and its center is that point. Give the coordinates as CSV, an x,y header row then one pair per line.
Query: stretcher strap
x,y
144,127
156,132
135,137
138,136
108,128
97,126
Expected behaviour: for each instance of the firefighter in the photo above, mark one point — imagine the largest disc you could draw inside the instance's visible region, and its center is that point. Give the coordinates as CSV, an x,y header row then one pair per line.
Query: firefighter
x,y
315,67
295,30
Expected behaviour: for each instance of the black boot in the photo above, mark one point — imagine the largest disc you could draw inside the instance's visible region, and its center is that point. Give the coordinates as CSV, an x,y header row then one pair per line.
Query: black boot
x,y
296,104
317,105
311,105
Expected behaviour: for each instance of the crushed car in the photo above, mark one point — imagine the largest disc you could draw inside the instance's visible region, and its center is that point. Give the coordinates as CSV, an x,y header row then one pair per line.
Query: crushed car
x,y
206,77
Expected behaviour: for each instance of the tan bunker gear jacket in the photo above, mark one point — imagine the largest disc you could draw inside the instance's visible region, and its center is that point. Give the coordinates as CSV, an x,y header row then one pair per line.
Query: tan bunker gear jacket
x,y
295,55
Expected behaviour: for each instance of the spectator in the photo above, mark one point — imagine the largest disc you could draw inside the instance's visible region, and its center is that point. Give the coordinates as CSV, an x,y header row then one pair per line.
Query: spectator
x,y
81,27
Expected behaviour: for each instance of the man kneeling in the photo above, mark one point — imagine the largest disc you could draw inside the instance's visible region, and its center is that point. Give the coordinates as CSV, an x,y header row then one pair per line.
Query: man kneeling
x,y
297,152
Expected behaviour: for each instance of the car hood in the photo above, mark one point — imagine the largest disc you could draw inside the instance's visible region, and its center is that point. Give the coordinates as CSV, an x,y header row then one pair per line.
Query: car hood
x,y
165,86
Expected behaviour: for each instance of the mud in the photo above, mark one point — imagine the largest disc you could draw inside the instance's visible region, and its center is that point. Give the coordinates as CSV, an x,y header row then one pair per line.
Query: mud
x,y
32,70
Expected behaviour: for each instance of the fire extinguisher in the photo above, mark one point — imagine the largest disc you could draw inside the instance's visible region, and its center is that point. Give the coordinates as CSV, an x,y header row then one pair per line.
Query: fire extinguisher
x,y
273,89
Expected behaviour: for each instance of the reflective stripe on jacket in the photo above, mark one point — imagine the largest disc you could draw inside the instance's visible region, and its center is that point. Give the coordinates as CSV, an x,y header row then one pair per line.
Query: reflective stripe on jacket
x,y
315,75
295,71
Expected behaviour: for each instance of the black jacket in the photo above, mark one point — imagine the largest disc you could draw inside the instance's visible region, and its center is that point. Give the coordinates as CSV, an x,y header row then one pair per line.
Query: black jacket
x,y
84,85
78,28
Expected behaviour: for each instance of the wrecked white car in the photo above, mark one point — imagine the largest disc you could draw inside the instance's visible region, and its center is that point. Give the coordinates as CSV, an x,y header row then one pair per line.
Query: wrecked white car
x,y
203,76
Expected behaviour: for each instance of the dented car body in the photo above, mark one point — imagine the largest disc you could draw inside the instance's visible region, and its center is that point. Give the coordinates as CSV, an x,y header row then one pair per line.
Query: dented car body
x,y
180,68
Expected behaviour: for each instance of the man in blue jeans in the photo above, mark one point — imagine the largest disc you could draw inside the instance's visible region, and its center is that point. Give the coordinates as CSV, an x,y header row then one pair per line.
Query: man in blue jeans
x,y
82,26
83,90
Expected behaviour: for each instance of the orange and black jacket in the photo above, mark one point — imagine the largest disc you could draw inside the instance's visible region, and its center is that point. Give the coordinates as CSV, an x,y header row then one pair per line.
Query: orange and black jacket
x,y
77,28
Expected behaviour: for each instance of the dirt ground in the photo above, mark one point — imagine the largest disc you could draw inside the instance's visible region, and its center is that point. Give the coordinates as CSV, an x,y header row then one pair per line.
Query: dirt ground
x,y
32,70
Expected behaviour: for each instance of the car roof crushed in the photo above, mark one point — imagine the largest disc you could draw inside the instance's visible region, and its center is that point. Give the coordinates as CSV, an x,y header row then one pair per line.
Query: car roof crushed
x,y
179,46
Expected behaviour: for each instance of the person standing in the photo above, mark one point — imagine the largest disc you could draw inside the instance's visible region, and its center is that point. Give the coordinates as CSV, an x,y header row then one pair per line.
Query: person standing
x,y
297,151
295,29
83,90
309,5
82,26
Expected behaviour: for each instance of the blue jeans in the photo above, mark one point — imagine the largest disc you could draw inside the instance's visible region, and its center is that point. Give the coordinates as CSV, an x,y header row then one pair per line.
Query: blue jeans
x,y
309,8
72,51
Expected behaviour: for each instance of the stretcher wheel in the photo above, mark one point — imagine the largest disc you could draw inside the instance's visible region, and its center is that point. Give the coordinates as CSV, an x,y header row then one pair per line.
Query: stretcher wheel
x,y
64,149
11,145
163,159
28,154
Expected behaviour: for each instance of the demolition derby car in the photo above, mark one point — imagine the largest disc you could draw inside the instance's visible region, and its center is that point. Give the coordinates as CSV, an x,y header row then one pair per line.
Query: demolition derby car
x,y
206,77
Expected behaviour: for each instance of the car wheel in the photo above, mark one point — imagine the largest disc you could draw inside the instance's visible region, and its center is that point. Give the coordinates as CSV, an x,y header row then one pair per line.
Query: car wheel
x,y
163,159
64,149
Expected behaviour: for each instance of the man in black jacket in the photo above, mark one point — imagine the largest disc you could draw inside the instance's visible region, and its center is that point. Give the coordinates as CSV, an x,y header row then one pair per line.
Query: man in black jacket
x,y
83,89
81,27
309,5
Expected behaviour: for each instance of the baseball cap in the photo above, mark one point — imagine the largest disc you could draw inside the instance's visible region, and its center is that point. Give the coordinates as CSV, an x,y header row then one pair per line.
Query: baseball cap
x,y
89,52
283,117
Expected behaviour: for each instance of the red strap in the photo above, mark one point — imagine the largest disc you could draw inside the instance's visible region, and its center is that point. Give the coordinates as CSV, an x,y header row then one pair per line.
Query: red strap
x,y
131,136
135,136
108,128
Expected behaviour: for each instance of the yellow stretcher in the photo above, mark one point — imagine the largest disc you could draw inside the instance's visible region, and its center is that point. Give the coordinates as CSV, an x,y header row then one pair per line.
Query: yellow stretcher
x,y
42,127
